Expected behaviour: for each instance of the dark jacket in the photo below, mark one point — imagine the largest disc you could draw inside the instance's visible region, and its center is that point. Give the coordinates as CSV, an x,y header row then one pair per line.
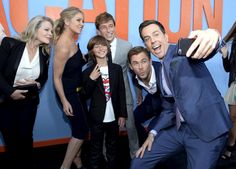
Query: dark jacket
x,y
11,51
94,89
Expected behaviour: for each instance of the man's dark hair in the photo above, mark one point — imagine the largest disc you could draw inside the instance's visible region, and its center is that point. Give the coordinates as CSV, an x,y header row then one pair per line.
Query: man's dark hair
x,y
149,22
136,50
102,18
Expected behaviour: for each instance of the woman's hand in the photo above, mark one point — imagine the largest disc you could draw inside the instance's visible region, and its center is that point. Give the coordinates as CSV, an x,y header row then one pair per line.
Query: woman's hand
x,y
67,108
18,94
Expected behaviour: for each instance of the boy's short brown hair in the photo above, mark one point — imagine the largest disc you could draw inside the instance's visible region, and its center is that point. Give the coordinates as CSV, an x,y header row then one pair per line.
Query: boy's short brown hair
x,y
102,18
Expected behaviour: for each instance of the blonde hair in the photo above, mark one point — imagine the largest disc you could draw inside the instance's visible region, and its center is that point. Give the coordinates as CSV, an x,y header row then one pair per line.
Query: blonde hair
x,y
32,27
67,13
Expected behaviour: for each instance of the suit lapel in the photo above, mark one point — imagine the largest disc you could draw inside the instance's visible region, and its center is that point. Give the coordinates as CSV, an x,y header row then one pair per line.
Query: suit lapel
x,y
167,62
117,50
99,80
169,58
100,85
157,70
41,61
18,56
159,80
111,76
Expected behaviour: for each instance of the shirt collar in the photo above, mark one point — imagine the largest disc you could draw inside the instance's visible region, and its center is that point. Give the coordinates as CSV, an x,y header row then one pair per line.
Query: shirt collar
x,y
113,43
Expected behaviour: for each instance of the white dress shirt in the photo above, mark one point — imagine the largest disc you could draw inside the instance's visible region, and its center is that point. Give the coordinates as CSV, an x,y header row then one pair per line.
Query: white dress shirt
x,y
113,48
28,69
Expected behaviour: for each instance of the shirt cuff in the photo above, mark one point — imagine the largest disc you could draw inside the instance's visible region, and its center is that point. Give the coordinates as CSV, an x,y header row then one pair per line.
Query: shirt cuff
x,y
154,132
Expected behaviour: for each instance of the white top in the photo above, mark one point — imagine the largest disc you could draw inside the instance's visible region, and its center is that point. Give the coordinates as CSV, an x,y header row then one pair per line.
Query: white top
x,y
27,69
113,48
109,112
152,86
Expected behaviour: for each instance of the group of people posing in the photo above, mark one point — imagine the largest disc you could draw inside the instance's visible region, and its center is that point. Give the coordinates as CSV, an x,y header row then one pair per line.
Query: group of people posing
x,y
187,111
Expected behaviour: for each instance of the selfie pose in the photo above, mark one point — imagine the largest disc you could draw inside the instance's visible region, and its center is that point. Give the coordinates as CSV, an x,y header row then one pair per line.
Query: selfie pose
x,y
194,116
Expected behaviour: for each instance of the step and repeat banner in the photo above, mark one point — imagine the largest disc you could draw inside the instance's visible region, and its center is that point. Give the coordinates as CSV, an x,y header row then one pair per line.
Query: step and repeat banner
x,y
179,17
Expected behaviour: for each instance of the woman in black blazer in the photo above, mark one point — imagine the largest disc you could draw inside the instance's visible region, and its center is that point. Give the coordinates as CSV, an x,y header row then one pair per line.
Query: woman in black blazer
x,y
23,61
104,85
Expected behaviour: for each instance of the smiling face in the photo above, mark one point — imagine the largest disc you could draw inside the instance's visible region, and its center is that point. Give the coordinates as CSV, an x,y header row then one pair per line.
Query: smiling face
x,y
141,65
44,33
76,23
155,40
100,51
107,30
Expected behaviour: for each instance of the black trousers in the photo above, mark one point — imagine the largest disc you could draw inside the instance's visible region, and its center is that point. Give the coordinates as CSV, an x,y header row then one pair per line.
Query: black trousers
x,y
111,132
17,120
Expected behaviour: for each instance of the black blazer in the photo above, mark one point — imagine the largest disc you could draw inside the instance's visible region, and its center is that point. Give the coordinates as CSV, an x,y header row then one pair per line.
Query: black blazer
x,y
94,89
11,51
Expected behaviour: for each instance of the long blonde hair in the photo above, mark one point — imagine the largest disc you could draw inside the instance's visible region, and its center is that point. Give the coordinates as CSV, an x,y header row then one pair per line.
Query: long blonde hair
x,y
32,27
59,24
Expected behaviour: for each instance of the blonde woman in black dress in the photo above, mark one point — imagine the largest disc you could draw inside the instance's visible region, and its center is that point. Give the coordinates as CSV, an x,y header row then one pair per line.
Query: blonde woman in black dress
x,y
68,63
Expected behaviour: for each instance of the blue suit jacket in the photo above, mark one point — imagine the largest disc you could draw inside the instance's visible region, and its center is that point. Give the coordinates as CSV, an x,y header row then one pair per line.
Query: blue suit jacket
x,y
196,96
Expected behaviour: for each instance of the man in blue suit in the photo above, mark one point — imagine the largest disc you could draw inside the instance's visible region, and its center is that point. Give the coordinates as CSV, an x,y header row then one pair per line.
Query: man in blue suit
x,y
194,116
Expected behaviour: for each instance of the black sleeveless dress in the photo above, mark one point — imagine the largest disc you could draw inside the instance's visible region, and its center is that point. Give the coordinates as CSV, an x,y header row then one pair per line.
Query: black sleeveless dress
x,y
72,80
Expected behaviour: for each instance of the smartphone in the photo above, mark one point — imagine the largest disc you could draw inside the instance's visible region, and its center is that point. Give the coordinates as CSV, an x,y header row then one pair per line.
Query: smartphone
x,y
184,44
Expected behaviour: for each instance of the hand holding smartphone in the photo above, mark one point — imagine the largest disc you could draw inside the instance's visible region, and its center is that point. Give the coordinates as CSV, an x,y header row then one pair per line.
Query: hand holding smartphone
x,y
183,46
